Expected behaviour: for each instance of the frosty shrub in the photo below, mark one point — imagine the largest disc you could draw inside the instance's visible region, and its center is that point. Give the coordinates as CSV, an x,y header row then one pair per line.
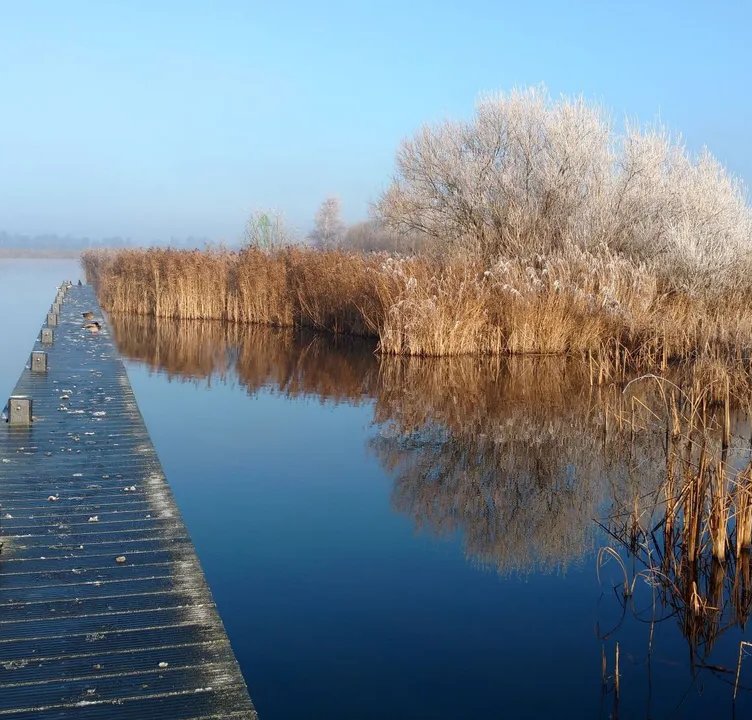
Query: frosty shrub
x,y
531,175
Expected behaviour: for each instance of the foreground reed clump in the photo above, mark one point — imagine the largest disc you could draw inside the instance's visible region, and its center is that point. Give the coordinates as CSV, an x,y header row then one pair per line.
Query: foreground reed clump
x,y
689,538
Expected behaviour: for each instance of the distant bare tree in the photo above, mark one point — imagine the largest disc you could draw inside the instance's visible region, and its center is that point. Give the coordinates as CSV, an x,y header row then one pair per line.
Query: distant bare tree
x,y
267,230
328,228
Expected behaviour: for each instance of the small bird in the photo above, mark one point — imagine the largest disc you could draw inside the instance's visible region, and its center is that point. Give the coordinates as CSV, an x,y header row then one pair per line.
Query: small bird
x,y
93,327
88,315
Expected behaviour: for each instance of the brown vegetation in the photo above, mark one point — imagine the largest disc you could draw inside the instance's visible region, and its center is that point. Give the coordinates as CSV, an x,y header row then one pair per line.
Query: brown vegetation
x,y
692,534
608,309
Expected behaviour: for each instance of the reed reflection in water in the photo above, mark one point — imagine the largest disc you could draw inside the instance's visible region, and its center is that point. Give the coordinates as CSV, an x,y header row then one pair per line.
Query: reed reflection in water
x,y
518,454
521,457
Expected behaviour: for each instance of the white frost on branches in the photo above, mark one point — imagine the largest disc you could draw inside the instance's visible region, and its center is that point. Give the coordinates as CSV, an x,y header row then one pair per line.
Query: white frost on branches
x,y
528,175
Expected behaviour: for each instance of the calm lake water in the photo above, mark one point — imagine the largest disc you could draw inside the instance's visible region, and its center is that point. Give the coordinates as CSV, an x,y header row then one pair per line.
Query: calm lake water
x,y
412,539
27,289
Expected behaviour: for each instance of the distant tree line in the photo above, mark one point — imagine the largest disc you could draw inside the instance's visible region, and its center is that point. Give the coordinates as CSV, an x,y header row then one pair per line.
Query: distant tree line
x,y
57,242
50,242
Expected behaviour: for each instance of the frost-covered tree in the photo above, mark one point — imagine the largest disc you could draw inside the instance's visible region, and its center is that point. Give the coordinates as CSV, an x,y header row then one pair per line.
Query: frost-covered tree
x,y
328,229
528,174
518,176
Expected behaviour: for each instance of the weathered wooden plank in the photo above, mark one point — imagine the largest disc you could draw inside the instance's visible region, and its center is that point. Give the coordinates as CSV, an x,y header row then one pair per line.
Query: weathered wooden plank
x,y
83,634
198,704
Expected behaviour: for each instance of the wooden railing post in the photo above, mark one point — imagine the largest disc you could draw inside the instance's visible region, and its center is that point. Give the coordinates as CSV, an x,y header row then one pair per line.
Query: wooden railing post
x,y
19,410
39,361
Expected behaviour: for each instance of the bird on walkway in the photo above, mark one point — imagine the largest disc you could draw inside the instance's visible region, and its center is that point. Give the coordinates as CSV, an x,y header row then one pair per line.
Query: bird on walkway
x,y
88,315
93,327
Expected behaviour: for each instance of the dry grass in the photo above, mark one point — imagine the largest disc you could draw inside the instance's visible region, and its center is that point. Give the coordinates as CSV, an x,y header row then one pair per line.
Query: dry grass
x,y
619,313
692,534
331,291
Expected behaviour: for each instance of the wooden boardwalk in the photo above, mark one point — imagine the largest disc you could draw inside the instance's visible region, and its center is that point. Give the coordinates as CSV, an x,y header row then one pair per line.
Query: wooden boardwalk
x,y
104,609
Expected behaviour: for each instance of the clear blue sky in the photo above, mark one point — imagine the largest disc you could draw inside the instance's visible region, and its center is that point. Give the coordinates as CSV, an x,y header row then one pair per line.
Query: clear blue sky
x,y
158,119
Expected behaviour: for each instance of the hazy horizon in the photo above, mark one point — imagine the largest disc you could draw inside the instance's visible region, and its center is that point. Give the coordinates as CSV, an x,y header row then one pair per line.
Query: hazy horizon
x,y
177,120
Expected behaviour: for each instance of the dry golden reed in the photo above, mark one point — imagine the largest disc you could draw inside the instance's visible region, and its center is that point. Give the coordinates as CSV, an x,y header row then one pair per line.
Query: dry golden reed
x,y
616,312
692,534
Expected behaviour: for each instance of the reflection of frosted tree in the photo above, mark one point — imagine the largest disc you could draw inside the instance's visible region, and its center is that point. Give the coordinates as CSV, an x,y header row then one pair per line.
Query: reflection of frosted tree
x,y
519,455
515,509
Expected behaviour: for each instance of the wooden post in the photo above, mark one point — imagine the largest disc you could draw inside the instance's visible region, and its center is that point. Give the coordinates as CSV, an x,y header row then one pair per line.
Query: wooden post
x,y
39,361
51,319
56,307
19,410
48,336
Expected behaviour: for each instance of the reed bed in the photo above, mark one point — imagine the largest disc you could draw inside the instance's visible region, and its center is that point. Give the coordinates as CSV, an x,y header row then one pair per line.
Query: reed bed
x,y
620,314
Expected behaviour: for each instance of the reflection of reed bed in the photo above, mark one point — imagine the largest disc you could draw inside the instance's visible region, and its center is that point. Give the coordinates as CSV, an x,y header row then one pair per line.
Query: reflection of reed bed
x,y
190,349
518,453
290,361
466,392
307,364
